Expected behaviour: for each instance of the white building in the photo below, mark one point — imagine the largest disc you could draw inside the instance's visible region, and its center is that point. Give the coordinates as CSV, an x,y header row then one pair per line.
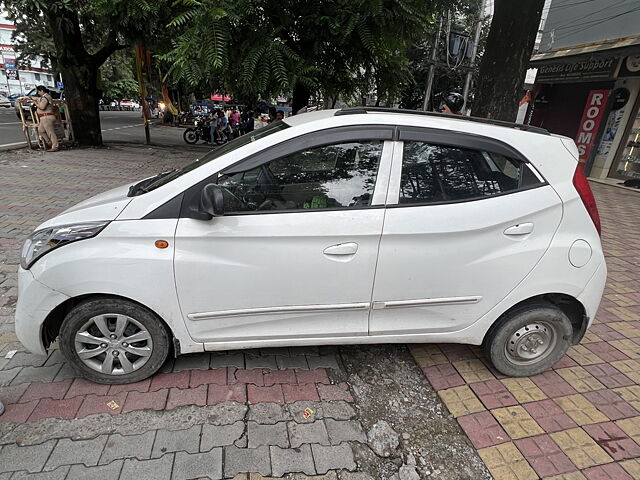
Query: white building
x,y
29,75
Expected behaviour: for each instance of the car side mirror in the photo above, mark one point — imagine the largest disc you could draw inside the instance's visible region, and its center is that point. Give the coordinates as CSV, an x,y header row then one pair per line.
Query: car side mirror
x,y
212,200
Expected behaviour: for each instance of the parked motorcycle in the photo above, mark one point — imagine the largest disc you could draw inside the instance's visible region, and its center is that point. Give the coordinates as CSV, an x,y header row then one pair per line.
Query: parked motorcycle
x,y
199,131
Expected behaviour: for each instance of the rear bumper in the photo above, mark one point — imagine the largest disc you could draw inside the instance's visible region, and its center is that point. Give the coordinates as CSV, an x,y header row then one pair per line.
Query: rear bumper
x,y
592,293
35,302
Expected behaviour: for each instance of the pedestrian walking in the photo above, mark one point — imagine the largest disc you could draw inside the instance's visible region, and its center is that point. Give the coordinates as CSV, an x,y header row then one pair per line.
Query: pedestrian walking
x,y
47,117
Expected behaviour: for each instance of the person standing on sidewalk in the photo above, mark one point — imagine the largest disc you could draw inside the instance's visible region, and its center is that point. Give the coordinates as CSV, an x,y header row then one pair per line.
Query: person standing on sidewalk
x,y
47,116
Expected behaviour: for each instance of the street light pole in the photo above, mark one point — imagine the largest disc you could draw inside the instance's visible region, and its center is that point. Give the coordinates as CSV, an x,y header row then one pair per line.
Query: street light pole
x,y
474,51
432,67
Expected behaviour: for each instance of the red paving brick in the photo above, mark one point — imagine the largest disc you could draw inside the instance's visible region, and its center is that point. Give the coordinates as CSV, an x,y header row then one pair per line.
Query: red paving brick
x,y
613,440
188,396
544,455
47,408
552,384
256,394
608,375
297,393
216,376
611,404
18,412
274,377
493,394
443,376
94,404
318,375
85,387
170,380
605,332
156,400
612,471
483,429
253,376
330,393
606,352
456,352
55,390
142,387
227,393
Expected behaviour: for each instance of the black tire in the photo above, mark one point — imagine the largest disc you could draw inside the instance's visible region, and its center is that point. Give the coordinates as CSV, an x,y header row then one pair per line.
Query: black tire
x,y
145,321
191,136
514,336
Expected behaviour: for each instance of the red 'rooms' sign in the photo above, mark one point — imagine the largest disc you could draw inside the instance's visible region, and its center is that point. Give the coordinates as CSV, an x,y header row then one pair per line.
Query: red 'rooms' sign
x,y
591,118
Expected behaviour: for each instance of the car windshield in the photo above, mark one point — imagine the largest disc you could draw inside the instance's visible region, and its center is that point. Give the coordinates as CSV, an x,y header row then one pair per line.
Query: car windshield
x,y
162,179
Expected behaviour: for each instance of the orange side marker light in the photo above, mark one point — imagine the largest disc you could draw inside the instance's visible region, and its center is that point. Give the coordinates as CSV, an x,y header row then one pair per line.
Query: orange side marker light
x,y
162,244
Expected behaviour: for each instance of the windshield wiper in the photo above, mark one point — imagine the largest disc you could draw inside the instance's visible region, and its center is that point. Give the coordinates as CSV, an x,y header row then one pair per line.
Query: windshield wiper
x,y
146,185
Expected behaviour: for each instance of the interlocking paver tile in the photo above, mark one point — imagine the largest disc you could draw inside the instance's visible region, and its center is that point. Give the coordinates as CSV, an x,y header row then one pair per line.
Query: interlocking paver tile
x,y
428,355
127,446
624,314
273,377
505,462
215,376
67,452
581,380
544,455
517,422
95,404
523,389
628,347
493,394
609,376
631,368
257,394
483,429
631,426
443,376
611,404
456,352
318,375
583,355
630,394
227,393
581,410
18,412
188,396
291,460
156,400
613,440
605,332
85,387
461,401
298,393
156,469
628,329
549,416
568,476
253,376
47,408
31,458
632,467
332,393
38,390
335,457
198,465
473,371
613,471
168,380
14,393
168,441
583,451
552,384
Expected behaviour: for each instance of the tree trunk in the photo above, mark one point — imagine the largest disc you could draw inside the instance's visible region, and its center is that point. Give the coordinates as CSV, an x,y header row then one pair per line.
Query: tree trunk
x,y
301,96
81,93
504,64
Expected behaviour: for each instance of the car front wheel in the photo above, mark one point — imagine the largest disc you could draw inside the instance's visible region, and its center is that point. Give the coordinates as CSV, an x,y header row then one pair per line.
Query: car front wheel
x,y
114,341
529,339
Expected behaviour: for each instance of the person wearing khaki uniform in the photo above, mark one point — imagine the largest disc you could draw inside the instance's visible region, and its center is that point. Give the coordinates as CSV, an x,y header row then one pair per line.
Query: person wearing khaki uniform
x,y
47,116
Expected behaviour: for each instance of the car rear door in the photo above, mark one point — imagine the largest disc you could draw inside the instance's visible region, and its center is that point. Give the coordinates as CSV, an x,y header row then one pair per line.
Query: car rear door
x,y
467,219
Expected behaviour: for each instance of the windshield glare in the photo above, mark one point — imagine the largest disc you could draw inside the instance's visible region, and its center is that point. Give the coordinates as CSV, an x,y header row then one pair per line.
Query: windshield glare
x,y
220,151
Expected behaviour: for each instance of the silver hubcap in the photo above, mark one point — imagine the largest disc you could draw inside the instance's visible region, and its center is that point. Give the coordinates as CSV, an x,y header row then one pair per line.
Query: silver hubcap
x,y
531,343
113,344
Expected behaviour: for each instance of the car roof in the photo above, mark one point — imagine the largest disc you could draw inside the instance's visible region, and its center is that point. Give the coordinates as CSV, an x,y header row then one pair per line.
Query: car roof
x,y
408,116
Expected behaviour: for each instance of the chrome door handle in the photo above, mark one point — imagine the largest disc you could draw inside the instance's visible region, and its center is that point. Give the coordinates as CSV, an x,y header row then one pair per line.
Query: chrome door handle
x,y
520,229
342,249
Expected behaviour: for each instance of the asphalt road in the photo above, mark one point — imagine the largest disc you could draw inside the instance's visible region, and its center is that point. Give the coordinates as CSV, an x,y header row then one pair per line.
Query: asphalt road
x,y
116,127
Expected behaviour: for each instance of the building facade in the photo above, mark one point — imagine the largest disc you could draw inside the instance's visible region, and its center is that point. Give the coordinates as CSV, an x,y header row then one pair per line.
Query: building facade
x,y
28,74
588,83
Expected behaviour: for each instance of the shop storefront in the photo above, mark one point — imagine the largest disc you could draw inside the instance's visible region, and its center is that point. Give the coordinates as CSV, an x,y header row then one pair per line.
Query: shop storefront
x,y
592,96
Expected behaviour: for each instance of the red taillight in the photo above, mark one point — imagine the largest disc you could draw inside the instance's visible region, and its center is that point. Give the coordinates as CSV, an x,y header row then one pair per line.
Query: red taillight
x,y
584,190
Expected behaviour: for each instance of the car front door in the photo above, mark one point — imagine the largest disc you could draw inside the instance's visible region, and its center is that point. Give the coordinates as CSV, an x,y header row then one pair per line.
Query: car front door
x,y
467,219
294,254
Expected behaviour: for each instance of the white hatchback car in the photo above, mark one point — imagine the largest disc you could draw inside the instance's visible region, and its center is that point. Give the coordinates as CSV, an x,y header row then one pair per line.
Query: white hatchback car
x,y
358,225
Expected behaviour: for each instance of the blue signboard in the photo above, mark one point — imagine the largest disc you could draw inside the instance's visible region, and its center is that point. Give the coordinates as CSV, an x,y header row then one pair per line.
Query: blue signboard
x,y
10,63
60,85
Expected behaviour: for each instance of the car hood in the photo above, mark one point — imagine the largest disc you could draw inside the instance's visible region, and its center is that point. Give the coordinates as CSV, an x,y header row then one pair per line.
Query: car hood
x,y
104,206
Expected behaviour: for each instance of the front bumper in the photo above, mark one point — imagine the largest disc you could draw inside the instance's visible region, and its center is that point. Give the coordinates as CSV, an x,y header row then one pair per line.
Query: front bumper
x,y
35,302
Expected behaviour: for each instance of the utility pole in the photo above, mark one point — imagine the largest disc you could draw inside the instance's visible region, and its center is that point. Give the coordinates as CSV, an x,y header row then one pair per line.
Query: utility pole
x,y
474,51
432,67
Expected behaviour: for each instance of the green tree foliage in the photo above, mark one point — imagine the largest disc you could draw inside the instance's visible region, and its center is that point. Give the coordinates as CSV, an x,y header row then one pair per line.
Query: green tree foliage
x,y
118,76
84,33
265,47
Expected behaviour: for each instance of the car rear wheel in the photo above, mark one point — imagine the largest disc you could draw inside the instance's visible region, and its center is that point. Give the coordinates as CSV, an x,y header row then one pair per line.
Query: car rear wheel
x,y
529,339
114,341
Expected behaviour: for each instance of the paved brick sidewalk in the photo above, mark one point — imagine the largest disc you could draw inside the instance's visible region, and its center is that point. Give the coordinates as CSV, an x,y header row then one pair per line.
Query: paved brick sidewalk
x,y
294,413
582,418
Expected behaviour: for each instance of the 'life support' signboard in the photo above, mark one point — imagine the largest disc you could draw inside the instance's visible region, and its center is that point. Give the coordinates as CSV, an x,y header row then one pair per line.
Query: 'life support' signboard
x,y
590,123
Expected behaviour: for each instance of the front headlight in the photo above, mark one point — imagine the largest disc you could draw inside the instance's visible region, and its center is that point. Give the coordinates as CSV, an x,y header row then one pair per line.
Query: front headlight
x,y
45,240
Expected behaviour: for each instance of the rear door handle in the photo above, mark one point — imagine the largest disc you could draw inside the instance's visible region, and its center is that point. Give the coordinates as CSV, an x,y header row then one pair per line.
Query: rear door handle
x,y
342,249
520,229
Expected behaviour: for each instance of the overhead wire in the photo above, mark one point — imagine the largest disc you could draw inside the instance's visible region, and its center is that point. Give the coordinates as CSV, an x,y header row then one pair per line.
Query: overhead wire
x,y
585,26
